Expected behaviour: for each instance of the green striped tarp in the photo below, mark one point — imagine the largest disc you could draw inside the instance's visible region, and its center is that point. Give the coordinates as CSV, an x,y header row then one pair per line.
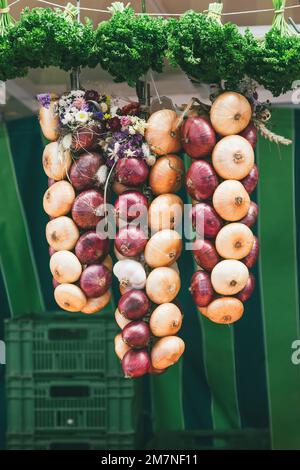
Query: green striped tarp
x,y
232,380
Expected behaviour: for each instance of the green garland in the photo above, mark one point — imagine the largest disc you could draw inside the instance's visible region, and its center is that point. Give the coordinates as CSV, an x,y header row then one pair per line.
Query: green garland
x,y
206,50
127,46
130,45
275,63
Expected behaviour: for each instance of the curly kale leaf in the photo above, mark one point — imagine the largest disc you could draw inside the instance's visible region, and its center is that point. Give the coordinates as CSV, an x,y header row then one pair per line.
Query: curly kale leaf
x,y
206,50
127,46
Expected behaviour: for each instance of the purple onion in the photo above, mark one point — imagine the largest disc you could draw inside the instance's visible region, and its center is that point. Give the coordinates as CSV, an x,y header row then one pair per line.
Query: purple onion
x,y
205,220
130,205
136,363
252,215
130,241
87,207
251,258
95,280
201,180
246,293
91,248
250,133
131,171
201,289
136,334
83,173
134,304
251,180
205,254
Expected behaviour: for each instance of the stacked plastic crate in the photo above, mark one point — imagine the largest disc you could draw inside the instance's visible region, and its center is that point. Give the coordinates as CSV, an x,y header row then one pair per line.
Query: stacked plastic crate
x,y
64,386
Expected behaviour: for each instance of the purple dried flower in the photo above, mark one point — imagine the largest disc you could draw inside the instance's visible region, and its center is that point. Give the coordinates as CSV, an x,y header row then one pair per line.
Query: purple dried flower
x,y
92,95
44,99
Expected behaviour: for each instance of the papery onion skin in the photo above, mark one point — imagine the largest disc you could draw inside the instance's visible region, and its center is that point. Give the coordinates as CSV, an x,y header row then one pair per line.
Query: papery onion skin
x,y
205,254
198,137
231,201
230,113
56,163
251,180
58,199
121,348
95,280
165,212
131,171
162,132
83,173
206,222
84,138
65,267
130,241
251,258
130,205
229,277
201,180
70,297
167,175
234,241
136,363
167,351
136,334
201,289
165,320
225,310
252,215
134,304
49,120
163,248
120,319
246,293
233,157
62,233
162,285
91,248
87,207
250,133
96,304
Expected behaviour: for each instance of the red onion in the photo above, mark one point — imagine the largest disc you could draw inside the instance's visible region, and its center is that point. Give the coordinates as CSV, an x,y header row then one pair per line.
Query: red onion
x,y
83,173
201,180
250,133
251,180
55,283
251,259
136,334
87,207
95,280
136,363
51,181
130,241
205,220
134,304
251,217
131,171
130,205
91,248
205,254
51,251
201,289
85,138
198,137
246,293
